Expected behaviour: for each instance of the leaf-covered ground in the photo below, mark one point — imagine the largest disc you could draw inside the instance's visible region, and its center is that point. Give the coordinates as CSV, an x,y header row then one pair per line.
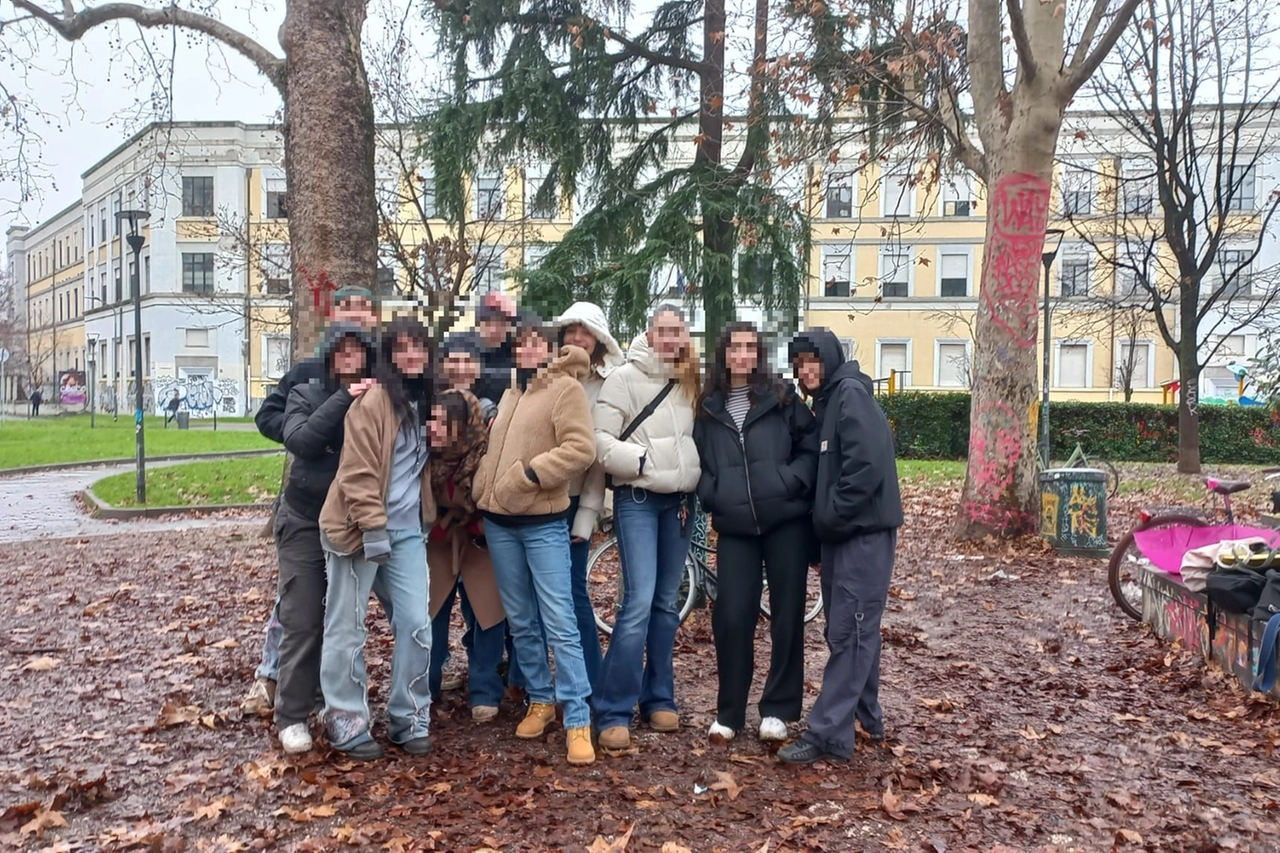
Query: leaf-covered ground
x,y
1024,714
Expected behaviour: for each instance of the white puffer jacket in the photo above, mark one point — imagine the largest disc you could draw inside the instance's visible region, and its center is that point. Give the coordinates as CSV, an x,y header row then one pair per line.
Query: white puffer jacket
x,y
589,488
664,440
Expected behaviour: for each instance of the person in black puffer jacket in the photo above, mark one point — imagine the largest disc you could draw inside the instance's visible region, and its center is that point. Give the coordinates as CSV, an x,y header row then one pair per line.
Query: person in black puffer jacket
x,y
857,515
313,433
759,453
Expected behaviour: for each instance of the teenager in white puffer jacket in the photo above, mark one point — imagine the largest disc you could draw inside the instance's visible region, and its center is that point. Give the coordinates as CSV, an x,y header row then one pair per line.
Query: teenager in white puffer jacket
x,y
585,325
655,470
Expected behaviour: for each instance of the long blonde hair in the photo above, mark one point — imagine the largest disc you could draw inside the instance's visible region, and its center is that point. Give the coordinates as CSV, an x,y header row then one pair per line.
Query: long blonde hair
x,y
688,370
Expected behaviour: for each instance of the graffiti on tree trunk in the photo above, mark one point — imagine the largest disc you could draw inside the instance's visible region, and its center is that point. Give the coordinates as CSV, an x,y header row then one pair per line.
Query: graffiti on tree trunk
x,y
995,449
1019,214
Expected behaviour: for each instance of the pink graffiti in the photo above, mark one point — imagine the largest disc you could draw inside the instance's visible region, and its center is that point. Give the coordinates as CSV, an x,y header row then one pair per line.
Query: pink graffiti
x,y
1011,278
1183,620
995,448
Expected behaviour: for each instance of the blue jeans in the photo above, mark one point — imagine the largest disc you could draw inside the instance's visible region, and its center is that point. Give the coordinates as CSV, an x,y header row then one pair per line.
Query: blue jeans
x,y
270,666
343,676
532,565
638,668
484,651
589,634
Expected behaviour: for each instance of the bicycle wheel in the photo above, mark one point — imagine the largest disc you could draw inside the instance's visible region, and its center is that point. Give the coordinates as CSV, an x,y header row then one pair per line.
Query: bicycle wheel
x,y
1128,564
812,597
606,590
1113,475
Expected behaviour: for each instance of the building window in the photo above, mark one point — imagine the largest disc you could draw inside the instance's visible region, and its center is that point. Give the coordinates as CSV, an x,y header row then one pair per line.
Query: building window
x,y
1074,277
388,191
275,356
536,207
837,271
840,195
953,364
277,278
953,272
277,199
146,273
1139,187
489,195
1132,364
92,238
534,253
115,219
197,273
1073,365
1235,271
119,284
486,275
895,273
197,196
891,360
427,196
897,195
1077,191
197,338
1240,189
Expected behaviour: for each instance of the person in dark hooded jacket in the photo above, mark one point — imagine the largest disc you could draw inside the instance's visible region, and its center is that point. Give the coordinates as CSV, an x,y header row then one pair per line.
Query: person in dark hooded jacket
x,y
856,514
313,433
759,453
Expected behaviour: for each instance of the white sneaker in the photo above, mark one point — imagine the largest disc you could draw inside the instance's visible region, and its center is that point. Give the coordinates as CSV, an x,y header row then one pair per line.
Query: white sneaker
x,y
771,728
296,739
483,713
718,730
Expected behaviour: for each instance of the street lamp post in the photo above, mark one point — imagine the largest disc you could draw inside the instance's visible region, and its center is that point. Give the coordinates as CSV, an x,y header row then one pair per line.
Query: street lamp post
x,y
91,358
1052,240
134,238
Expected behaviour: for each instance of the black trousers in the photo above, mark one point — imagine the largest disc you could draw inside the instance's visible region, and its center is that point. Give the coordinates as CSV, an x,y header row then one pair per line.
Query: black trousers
x,y
301,589
742,564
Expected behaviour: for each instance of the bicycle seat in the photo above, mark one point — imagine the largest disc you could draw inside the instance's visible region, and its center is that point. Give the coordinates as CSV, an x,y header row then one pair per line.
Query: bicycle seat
x,y
1225,487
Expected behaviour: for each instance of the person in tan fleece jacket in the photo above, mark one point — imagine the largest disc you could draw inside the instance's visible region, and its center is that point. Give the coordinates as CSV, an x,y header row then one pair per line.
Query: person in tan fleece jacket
x,y
540,442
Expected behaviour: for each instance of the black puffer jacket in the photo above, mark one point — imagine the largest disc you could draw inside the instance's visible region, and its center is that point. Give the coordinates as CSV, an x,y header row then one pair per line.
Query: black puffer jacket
x,y
313,420
857,490
755,480
270,416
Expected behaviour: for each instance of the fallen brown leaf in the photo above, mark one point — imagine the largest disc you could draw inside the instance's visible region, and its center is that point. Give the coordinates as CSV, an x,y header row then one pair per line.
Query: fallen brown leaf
x,y
42,821
892,804
618,845
672,847
725,782
41,664
1128,836
984,800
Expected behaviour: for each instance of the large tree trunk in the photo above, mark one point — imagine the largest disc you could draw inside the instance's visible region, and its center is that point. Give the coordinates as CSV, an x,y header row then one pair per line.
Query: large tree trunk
x,y
717,203
329,159
1000,485
1188,407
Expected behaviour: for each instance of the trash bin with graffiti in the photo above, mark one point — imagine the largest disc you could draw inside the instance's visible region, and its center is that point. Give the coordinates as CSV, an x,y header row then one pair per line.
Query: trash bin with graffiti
x,y
1073,511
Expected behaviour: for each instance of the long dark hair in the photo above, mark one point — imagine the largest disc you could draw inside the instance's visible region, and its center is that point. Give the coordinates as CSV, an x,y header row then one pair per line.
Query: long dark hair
x,y
404,391
762,380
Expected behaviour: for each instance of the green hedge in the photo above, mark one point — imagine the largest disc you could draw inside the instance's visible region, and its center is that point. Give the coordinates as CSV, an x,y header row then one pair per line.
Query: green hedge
x,y
936,426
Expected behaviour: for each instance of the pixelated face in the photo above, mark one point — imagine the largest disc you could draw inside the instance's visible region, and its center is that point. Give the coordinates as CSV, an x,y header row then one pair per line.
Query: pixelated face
x,y
668,336
461,370
532,351
438,428
350,358
809,371
356,309
578,335
409,356
742,353
494,332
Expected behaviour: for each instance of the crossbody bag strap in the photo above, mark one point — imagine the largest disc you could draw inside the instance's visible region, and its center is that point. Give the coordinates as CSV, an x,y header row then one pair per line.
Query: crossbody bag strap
x,y
647,410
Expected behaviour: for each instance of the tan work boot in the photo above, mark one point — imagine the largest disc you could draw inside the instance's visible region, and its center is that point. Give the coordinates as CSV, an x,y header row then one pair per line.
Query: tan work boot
x,y
536,721
615,738
664,721
261,700
580,749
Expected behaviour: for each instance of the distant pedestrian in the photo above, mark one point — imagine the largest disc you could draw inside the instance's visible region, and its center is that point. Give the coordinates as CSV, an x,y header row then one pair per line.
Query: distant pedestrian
x,y
856,514
171,408
36,399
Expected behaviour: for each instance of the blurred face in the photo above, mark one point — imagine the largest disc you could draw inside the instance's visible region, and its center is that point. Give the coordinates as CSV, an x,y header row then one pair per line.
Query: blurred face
x,y
669,336
461,370
356,309
577,335
494,332
742,354
809,371
532,351
349,358
409,356
438,428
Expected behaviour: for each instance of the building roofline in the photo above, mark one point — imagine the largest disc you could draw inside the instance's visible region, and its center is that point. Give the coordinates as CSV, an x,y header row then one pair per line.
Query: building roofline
x,y
160,125
32,229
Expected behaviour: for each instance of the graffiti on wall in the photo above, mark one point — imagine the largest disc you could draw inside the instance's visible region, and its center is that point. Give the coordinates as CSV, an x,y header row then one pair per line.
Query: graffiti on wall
x,y
202,396
72,390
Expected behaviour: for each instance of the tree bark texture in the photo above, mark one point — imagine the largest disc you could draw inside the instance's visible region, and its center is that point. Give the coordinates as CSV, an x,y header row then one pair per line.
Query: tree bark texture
x,y
329,159
717,196
1189,390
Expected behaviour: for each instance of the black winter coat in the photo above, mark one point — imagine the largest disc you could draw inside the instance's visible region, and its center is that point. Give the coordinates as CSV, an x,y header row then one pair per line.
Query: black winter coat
x,y
758,479
313,433
270,416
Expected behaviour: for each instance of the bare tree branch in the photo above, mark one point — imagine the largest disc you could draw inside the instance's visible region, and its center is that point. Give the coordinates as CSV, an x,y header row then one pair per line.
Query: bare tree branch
x,y
1081,72
1021,41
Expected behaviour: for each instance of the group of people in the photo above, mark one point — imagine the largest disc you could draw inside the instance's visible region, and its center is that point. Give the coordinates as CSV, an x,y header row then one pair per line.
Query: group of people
x,y
475,473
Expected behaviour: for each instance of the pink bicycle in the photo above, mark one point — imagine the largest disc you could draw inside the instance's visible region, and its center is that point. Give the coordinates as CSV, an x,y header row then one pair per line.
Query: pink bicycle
x,y
1162,539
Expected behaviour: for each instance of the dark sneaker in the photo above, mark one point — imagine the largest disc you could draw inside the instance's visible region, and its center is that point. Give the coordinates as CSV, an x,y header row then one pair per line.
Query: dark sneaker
x,y
367,751
803,752
417,746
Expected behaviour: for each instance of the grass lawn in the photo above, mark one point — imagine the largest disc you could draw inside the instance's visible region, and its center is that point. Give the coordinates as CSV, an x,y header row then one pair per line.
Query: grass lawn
x,y
254,479
48,441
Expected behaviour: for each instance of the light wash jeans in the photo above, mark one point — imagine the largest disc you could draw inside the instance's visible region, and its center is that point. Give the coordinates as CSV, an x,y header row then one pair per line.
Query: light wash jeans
x,y
343,677
638,670
270,666
532,565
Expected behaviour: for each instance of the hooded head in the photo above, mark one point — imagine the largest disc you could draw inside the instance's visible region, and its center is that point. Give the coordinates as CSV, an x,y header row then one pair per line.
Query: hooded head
x,y
606,354
354,304
460,360
827,347
333,339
